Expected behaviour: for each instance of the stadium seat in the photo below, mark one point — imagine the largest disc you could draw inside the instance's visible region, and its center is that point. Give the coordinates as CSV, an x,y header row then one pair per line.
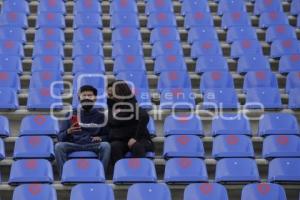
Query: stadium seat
x,y
20,6
260,79
245,47
231,6
285,47
237,33
232,146
88,64
92,191
232,19
127,47
292,81
121,6
56,6
262,6
11,48
151,127
87,48
49,34
164,48
50,19
2,149
177,98
284,170
17,33
45,79
170,62
185,170
137,78
30,171
14,19
183,146
298,21
237,170
268,19
294,100
10,80
161,19
44,99
205,191
216,80
4,126
198,18
47,62
9,100
295,7
206,48
134,170
280,32
256,62
211,63
34,147
85,7
119,20
11,64
263,191
149,191
34,191
87,34
225,98
277,124
83,171
173,79
128,33
48,48
164,34
129,63
263,98
183,125
277,146
193,6
149,154
289,63
229,124
159,6
87,20
202,33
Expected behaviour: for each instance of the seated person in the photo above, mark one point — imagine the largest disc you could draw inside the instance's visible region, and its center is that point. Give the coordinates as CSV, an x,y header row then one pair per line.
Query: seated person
x,y
127,123
84,131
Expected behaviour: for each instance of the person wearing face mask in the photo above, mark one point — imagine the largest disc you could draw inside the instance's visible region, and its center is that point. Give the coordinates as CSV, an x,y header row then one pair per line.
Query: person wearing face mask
x,y
84,131
127,123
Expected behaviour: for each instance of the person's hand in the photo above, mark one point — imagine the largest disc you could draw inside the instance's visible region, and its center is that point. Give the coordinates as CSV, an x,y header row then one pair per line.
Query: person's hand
x,y
74,128
131,142
96,139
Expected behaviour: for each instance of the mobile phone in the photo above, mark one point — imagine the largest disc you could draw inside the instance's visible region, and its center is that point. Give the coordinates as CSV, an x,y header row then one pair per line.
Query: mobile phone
x,y
74,121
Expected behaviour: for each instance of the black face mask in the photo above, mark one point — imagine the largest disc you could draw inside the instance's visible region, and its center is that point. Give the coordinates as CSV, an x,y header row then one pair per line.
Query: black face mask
x,y
87,104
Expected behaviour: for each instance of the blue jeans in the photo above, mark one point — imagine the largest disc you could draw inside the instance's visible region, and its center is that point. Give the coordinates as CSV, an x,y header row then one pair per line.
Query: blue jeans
x,y
62,149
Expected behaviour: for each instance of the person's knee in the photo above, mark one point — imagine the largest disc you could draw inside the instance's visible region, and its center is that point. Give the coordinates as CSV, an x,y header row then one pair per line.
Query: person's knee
x,y
105,146
59,147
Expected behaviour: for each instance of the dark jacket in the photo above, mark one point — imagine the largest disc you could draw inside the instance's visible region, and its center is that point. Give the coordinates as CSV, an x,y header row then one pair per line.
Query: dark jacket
x,y
94,116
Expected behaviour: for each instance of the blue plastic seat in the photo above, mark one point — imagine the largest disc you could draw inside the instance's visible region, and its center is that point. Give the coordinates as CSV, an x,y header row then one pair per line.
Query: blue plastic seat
x,y
83,171
161,19
185,170
118,6
34,147
96,80
232,19
44,79
119,20
34,192
183,146
50,34
231,6
284,170
129,63
4,127
193,6
88,64
10,80
278,146
260,79
177,98
278,124
225,98
49,48
262,6
89,48
280,32
292,81
20,6
134,170
87,20
9,100
229,124
232,146
88,34
294,100
159,6
263,98
245,47
89,6
56,6
11,64
206,48
169,62
149,191
163,48
289,63
236,33
44,99
256,62
298,21
149,155
173,79
216,80
127,47
205,191
30,171
164,34
2,149
268,19
47,62
284,47
295,7
92,191
137,78
11,48
17,33
126,33
198,19
211,63
50,19
263,191
14,19
237,170
202,33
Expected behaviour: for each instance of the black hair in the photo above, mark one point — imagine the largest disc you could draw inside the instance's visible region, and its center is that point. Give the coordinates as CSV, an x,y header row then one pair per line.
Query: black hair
x,y
122,89
85,88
